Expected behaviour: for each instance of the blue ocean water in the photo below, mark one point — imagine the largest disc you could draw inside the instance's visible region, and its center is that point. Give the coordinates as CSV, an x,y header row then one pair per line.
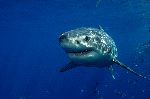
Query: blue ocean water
x,y
30,55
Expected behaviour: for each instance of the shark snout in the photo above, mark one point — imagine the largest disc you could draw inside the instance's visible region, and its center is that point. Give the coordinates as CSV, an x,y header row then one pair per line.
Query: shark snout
x,y
62,38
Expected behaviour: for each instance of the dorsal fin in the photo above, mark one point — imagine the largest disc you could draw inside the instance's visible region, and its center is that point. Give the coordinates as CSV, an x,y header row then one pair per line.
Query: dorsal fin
x,y
100,28
129,69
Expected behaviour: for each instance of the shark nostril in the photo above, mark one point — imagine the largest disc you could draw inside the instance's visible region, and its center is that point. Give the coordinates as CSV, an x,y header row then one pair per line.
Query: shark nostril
x,y
62,38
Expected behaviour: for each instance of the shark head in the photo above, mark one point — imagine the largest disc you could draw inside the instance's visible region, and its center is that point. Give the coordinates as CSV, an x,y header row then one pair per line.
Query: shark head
x,y
88,46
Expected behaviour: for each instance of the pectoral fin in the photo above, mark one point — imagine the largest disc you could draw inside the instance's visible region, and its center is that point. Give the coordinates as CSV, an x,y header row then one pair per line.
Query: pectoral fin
x,y
68,66
129,69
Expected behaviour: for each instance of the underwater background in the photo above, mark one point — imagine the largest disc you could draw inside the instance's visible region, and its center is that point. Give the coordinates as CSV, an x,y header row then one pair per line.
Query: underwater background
x,y
30,55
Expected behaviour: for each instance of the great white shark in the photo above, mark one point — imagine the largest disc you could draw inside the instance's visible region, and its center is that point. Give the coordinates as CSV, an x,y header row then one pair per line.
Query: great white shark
x,y
91,47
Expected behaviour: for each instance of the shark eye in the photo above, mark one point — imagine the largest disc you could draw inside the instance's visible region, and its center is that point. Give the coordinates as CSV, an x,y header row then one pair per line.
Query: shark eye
x,y
77,42
87,38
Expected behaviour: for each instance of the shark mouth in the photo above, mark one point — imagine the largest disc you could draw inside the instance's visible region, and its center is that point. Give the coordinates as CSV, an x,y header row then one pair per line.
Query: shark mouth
x,y
79,53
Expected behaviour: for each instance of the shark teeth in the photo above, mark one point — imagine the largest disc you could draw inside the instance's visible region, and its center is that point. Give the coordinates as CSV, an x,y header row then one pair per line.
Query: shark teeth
x,y
79,53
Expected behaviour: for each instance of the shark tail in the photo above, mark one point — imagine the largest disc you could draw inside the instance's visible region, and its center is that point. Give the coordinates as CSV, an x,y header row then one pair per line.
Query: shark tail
x,y
129,69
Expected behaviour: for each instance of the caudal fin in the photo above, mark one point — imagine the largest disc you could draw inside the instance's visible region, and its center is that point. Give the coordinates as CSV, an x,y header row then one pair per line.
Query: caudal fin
x,y
129,69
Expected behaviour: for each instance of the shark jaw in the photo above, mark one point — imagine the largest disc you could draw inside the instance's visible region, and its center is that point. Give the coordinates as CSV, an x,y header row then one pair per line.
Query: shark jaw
x,y
84,57
79,53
